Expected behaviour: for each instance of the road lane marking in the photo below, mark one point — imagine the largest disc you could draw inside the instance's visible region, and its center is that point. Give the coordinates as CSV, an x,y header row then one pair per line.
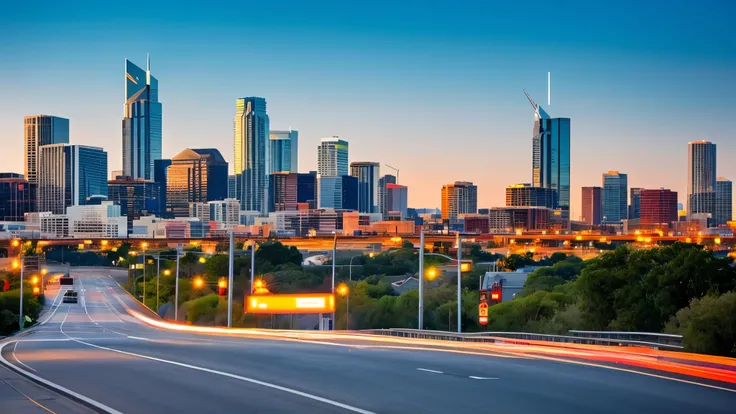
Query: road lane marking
x,y
52,306
433,371
482,378
19,361
140,339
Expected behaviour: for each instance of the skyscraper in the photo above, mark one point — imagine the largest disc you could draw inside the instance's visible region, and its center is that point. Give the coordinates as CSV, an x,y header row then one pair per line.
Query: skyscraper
x,y
195,176
368,174
635,203
41,130
332,157
524,195
160,174
141,122
338,192
615,186
69,175
289,190
459,198
382,183
551,156
397,197
724,201
251,158
136,197
658,208
284,151
592,205
17,197
701,174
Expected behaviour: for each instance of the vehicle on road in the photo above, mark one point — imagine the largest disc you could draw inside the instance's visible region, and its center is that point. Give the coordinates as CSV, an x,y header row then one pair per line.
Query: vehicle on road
x,y
70,296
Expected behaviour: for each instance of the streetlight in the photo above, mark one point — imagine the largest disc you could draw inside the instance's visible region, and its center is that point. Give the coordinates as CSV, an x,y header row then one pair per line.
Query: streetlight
x,y
198,283
351,264
344,291
432,273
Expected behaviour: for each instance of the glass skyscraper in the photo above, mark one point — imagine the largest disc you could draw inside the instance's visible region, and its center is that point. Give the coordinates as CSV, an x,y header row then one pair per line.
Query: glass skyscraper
x,y
17,197
332,157
70,175
382,196
292,191
615,197
136,197
551,156
251,153
701,178
41,130
635,203
195,176
141,122
160,174
338,192
284,151
724,201
458,198
368,174
591,203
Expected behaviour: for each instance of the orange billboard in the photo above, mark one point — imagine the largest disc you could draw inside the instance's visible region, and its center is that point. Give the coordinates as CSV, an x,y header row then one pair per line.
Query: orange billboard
x,y
291,303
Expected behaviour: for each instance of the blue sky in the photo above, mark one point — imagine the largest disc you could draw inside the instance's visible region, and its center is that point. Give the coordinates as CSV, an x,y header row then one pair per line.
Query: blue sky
x,y
434,88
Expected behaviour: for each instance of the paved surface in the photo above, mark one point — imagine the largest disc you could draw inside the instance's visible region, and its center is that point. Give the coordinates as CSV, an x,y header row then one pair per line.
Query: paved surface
x,y
96,349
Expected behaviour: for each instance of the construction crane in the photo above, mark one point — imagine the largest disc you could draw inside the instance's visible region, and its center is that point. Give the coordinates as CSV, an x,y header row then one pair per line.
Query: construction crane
x,y
395,169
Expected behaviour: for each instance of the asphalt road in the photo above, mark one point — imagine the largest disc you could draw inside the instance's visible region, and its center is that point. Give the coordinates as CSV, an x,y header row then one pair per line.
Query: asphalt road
x,y
98,351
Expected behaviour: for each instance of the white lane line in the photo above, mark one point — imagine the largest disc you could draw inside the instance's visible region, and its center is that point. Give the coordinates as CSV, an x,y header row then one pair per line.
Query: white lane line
x,y
226,374
140,339
19,361
482,378
52,306
433,371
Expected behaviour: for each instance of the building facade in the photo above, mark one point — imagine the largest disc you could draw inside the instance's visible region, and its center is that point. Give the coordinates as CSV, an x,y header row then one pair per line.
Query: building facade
x,y
332,157
284,151
195,175
658,208
368,174
615,197
701,174
724,201
160,174
635,203
339,193
17,197
136,197
397,199
142,122
70,175
524,195
382,182
511,219
251,152
592,206
292,191
458,198
39,130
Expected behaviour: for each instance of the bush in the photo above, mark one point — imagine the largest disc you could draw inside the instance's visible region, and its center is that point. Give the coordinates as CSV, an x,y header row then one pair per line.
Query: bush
x,y
708,325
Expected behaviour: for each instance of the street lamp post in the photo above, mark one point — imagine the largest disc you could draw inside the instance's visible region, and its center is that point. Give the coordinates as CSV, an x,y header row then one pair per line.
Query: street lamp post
x,y
230,281
459,279
334,252
421,280
158,277
176,288
20,315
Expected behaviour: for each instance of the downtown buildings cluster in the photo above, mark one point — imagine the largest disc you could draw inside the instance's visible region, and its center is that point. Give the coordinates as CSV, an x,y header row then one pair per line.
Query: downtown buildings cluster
x,y
65,190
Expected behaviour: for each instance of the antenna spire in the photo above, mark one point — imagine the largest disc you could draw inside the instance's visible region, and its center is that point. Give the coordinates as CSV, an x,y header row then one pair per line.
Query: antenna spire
x,y
148,62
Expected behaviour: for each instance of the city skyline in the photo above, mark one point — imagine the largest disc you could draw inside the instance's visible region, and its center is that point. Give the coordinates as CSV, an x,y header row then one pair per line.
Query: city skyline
x,y
653,154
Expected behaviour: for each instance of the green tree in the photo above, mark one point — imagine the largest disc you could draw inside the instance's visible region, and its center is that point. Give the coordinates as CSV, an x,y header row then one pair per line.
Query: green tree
x,y
277,254
707,325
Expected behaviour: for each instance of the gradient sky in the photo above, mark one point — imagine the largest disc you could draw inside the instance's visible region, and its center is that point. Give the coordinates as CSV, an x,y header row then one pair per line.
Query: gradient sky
x,y
433,88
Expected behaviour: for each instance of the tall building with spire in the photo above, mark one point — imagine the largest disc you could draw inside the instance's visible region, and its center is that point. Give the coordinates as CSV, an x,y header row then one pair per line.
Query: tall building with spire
x,y
252,153
141,122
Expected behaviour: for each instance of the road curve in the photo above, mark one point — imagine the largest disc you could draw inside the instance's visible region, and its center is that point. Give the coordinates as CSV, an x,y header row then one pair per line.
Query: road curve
x,y
97,351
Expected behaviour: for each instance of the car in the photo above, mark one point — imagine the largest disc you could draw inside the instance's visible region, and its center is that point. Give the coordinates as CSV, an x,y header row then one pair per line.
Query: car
x,y
70,296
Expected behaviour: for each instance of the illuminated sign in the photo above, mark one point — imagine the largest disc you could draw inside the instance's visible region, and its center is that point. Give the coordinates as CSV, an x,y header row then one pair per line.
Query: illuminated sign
x,y
290,303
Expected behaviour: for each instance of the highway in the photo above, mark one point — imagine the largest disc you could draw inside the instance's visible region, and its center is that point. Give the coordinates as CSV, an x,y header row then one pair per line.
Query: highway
x,y
111,362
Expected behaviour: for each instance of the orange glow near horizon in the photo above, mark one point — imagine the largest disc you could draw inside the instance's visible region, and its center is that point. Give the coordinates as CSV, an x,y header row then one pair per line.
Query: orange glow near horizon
x,y
291,303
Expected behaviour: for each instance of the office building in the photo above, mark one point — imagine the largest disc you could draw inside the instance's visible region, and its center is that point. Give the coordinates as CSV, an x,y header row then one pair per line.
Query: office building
x,y
292,191
458,198
724,200
397,199
658,208
551,156
17,197
284,151
114,174
69,175
251,158
635,203
701,174
368,174
39,130
195,175
160,174
232,186
615,197
135,196
142,133
226,213
103,220
512,219
332,157
592,206
338,192
524,195
477,223
382,182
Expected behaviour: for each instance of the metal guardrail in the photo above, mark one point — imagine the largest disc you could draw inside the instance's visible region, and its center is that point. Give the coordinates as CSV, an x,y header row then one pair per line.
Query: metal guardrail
x,y
501,337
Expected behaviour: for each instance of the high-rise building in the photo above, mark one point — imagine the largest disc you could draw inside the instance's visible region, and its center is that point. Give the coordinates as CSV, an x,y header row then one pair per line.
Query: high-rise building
x,y
160,174
135,196
17,197
658,208
290,191
338,192
458,198
284,151
195,176
397,199
635,203
701,174
368,174
332,157
382,182
615,206
69,175
724,201
252,159
41,130
142,133
232,186
524,195
551,156
592,206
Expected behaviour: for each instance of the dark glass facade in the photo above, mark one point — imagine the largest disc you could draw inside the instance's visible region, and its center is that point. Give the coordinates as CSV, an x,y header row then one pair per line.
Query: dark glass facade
x,y
635,203
724,201
701,174
160,171
141,122
195,175
17,197
658,208
288,190
524,195
251,145
368,174
70,175
615,202
136,197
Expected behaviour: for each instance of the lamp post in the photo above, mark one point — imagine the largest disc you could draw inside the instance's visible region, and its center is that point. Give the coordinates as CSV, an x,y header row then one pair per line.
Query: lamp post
x,y
176,285
144,245
334,252
230,281
20,314
459,280
421,280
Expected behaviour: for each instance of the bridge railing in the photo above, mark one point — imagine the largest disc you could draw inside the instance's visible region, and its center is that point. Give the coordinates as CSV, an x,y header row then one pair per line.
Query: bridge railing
x,y
642,339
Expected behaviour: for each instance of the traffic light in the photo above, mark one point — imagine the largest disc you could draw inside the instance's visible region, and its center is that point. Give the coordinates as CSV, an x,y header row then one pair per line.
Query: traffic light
x,y
222,287
496,293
